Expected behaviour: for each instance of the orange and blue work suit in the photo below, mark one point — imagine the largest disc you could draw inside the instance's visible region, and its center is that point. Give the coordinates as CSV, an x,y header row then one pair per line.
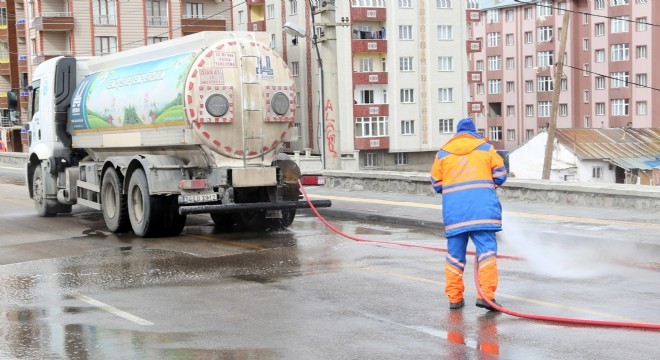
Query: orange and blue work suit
x,y
466,172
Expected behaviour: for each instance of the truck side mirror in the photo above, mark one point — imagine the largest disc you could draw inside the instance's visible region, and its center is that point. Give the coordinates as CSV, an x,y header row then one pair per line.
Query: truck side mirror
x,y
12,101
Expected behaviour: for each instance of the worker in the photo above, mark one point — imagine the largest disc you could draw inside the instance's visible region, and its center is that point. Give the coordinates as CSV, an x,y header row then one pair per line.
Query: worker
x,y
3,147
466,171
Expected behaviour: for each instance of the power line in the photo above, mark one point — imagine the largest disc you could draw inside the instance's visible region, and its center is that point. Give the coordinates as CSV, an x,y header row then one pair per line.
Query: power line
x,y
612,77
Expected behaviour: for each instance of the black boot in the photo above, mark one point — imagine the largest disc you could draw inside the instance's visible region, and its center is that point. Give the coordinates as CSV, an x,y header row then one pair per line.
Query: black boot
x,y
456,305
484,305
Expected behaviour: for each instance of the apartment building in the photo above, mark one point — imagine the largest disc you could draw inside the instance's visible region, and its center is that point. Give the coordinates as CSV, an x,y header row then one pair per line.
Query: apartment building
x,y
401,73
607,75
32,31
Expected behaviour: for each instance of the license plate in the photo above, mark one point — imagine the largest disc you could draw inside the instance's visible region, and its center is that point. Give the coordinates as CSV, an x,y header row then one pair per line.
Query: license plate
x,y
188,199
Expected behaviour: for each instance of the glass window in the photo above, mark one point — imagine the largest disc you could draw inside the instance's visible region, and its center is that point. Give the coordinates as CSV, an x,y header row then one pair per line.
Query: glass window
x,y
104,12
446,63
405,32
405,63
407,127
445,32
495,133
446,95
446,126
407,96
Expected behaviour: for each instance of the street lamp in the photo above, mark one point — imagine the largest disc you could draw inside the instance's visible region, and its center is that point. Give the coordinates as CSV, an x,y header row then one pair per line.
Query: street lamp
x,y
296,30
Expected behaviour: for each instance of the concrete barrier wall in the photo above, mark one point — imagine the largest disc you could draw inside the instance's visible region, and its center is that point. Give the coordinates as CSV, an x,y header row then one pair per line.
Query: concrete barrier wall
x,y
597,195
18,159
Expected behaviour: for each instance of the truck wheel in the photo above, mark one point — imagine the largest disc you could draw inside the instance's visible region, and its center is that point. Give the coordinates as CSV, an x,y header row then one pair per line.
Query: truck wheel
x,y
113,203
45,207
144,211
173,221
282,223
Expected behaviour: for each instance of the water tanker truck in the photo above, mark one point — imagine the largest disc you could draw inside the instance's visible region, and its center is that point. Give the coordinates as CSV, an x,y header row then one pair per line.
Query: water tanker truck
x,y
147,136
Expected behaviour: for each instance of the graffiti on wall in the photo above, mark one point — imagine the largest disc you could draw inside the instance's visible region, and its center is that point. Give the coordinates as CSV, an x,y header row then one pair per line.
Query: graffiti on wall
x,y
330,130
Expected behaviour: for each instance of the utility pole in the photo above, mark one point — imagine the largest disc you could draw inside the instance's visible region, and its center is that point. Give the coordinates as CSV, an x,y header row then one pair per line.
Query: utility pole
x,y
552,127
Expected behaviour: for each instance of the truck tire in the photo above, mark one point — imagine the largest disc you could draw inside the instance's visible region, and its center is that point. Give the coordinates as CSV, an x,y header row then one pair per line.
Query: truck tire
x,y
45,207
144,211
282,223
113,203
173,221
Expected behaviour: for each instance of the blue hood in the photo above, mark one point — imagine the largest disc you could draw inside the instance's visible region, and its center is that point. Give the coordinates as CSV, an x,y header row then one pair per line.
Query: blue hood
x,y
466,126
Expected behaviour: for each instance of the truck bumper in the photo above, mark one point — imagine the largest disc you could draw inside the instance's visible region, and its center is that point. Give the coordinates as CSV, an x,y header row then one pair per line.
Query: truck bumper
x,y
233,208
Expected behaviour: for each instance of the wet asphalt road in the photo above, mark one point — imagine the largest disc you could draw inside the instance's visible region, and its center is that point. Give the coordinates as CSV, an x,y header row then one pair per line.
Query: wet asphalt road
x,y
71,290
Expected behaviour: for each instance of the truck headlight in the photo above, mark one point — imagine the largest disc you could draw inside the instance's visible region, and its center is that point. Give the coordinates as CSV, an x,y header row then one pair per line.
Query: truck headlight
x,y
217,105
280,103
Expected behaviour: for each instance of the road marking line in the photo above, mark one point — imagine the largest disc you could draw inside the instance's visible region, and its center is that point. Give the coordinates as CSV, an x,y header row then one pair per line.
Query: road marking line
x,y
23,202
233,243
11,168
111,309
574,219
499,294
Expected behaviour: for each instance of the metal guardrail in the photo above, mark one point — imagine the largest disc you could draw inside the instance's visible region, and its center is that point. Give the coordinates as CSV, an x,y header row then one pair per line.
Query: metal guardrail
x,y
5,122
157,21
54,14
203,17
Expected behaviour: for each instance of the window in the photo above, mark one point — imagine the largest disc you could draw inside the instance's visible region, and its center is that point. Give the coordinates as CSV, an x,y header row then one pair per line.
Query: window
x,y
620,52
273,41
618,2
105,45
587,122
544,108
641,108
241,16
493,39
405,4
405,32
640,79
194,10
600,109
586,97
495,86
529,38
599,4
563,109
544,33
407,127
509,39
529,110
599,29
446,126
480,65
641,52
298,101
597,172
472,4
585,44
509,16
529,86
104,12
445,32
370,159
493,16
446,95
510,64
619,24
295,68
445,63
510,87
401,159
585,70
366,96
156,39
620,107
406,63
585,18
620,79
544,83
600,82
529,61
3,16
641,24
444,4
545,58
600,55
510,110
157,13
495,133
494,62
529,133
371,126
293,7
407,96
563,84
511,135
480,89
270,11
544,8
529,14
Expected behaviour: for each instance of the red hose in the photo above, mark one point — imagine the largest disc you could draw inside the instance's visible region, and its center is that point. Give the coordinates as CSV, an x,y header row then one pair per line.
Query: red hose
x,y
476,280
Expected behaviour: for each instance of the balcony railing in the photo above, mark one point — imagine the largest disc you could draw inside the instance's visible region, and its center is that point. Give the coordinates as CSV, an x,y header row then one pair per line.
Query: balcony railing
x,y
157,21
5,122
370,78
108,20
197,23
53,21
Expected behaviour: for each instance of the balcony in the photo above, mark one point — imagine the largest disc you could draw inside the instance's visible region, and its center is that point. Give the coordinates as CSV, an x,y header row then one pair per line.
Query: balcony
x,y
5,67
4,102
196,23
366,110
4,33
257,26
20,28
372,143
22,63
368,14
157,21
255,2
53,21
369,46
47,55
370,78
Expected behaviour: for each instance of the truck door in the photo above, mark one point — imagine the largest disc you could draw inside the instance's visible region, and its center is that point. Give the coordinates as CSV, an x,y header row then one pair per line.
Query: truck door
x,y
34,130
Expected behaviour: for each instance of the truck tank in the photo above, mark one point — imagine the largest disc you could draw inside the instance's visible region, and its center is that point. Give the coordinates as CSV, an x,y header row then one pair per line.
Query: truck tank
x,y
224,91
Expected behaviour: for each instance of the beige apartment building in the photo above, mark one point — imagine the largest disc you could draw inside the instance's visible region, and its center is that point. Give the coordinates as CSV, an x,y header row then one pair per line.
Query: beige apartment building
x,y
32,31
